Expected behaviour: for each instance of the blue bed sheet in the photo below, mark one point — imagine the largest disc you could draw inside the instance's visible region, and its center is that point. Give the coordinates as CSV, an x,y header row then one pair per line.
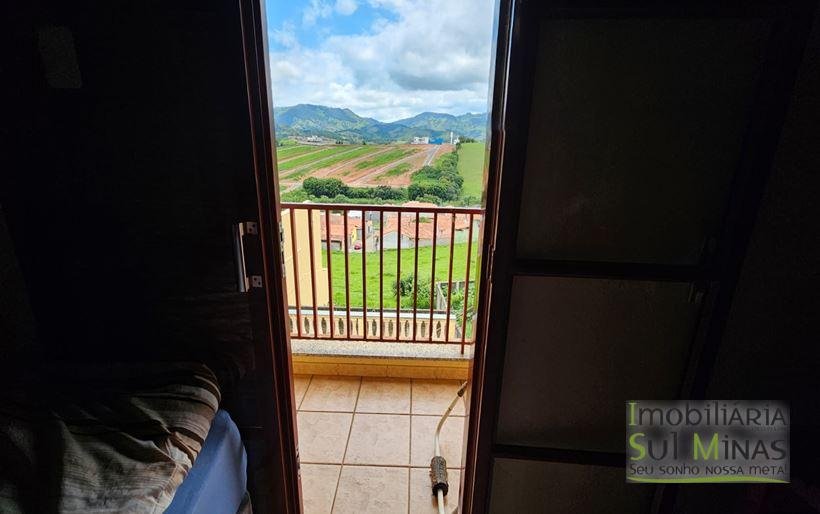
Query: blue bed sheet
x,y
218,479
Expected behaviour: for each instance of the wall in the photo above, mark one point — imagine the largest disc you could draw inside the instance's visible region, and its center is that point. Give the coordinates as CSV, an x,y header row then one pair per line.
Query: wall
x,y
303,247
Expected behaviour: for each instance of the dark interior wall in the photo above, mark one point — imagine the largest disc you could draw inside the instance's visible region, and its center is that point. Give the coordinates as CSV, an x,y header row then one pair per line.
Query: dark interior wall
x,y
17,332
128,175
770,350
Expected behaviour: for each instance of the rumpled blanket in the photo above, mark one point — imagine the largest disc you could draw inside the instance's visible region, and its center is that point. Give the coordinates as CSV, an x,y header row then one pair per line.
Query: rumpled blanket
x,y
108,438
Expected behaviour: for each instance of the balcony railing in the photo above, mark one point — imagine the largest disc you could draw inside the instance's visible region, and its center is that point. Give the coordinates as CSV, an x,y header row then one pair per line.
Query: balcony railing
x,y
418,264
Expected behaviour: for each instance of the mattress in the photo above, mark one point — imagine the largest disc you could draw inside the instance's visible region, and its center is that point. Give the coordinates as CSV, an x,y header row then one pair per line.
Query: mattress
x,y
103,439
218,479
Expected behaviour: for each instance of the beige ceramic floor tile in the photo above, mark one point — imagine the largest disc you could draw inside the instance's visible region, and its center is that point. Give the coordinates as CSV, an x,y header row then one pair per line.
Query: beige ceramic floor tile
x,y
422,432
384,396
433,397
323,436
300,385
379,439
331,394
366,490
422,500
319,487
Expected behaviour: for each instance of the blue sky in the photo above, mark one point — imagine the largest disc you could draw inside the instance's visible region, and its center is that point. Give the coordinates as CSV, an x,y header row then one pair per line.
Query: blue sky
x,y
387,59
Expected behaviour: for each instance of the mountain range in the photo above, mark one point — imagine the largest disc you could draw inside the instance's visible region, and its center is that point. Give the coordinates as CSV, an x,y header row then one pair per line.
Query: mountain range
x,y
344,124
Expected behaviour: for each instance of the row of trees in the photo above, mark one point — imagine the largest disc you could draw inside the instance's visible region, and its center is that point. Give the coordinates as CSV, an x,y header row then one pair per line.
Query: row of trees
x,y
334,188
441,181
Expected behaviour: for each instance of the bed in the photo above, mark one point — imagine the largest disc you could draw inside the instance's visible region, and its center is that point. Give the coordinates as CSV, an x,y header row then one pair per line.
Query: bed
x,y
127,437
217,481
145,436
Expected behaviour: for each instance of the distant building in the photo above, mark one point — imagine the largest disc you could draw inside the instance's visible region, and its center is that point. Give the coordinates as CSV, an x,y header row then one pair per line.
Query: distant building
x,y
354,231
420,140
406,235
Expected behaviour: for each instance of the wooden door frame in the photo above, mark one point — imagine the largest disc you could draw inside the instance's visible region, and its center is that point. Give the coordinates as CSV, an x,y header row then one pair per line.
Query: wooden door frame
x,y
274,366
280,412
505,153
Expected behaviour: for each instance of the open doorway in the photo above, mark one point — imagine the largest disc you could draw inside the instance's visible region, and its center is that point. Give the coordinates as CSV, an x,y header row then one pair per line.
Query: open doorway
x,y
380,115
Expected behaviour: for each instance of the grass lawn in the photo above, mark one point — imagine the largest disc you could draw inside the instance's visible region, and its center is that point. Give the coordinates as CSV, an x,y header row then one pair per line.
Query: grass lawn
x,y
407,258
286,152
471,167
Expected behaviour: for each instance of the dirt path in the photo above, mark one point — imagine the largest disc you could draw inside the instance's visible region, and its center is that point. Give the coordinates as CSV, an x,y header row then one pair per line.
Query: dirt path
x,y
366,176
350,175
297,169
331,171
430,156
416,162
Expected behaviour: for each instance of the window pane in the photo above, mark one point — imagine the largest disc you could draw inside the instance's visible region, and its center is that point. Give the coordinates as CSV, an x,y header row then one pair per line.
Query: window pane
x,y
635,133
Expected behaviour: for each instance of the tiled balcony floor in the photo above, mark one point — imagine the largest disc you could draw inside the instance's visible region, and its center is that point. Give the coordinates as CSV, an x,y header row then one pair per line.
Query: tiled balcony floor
x,y
366,443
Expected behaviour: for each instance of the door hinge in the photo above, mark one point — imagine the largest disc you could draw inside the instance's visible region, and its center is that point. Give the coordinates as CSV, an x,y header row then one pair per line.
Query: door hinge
x,y
245,281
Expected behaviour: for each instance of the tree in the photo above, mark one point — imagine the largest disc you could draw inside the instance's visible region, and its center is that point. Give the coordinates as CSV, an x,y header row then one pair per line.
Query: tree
x,y
329,187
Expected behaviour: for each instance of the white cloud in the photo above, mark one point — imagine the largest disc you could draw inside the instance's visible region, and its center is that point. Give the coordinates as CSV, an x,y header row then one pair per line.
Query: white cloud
x,y
318,9
434,55
286,35
346,7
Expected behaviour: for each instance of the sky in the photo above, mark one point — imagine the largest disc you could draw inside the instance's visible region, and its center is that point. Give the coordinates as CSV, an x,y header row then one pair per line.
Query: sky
x,y
385,59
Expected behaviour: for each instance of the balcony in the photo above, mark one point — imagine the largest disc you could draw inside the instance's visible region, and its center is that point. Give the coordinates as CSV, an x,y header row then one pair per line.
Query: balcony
x,y
381,290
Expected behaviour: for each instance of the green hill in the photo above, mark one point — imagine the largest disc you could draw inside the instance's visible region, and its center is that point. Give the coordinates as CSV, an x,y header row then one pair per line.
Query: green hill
x,y
343,124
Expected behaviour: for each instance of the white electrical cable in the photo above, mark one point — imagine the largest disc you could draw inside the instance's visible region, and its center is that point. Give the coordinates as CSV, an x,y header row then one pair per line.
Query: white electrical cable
x,y
440,498
440,493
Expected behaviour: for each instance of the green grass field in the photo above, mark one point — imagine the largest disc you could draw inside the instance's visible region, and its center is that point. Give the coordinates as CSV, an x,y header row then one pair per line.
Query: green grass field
x,y
389,274
330,161
471,167
286,152
314,156
385,158
398,170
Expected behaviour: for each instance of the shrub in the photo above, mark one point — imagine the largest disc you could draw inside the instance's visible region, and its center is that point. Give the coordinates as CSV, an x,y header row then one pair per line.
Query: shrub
x,y
429,199
295,195
441,180
325,187
457,303
422,297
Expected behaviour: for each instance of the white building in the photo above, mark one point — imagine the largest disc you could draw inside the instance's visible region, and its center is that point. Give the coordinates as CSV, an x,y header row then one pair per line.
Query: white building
x,y
420,140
